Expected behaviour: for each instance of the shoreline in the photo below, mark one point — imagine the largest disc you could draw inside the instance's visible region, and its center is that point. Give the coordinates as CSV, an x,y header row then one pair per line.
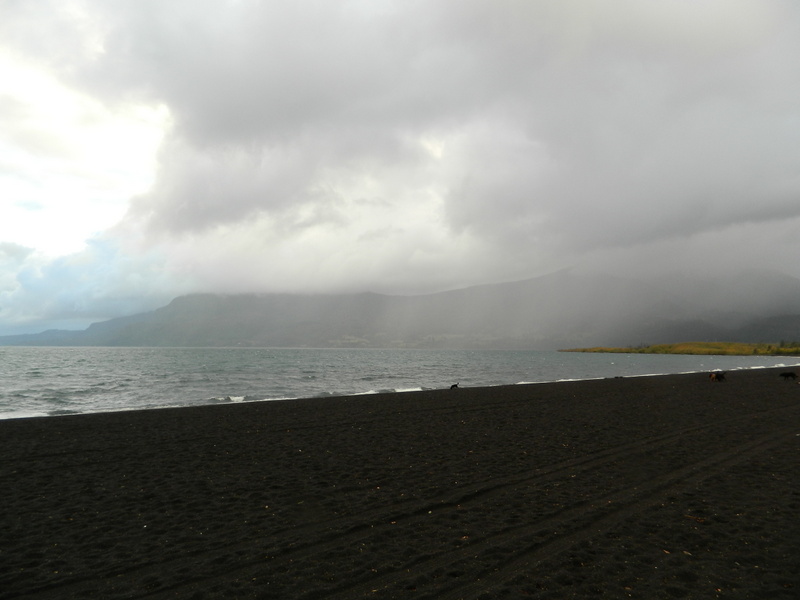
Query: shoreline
x,y
222,402
655,486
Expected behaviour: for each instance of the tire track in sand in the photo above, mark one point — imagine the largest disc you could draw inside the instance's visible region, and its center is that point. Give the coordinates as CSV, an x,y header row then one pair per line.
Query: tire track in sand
x,y
564,528
577,523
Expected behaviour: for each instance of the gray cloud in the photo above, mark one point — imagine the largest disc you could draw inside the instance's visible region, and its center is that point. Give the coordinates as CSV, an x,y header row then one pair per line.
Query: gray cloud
x,y
423,145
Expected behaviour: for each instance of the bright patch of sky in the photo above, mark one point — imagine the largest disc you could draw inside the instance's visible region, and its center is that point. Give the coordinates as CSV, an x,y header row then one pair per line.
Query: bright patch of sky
x,y
68,164
150,149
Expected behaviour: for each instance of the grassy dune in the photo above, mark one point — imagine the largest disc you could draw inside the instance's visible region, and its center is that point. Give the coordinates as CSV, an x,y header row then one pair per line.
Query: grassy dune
x,y
729,348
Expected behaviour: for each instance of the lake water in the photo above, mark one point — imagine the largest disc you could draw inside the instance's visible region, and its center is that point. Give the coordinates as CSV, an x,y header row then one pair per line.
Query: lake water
x,y
37,381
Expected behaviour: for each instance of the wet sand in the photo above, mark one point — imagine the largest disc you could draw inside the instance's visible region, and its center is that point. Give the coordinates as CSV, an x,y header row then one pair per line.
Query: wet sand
x,y
652,487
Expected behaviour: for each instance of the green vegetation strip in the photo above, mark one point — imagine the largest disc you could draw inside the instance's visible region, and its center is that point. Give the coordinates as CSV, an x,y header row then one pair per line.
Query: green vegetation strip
x,y
730,348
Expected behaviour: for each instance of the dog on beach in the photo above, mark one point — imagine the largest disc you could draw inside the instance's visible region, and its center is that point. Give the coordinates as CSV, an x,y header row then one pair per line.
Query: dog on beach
x,y
454,386
717,376
788,375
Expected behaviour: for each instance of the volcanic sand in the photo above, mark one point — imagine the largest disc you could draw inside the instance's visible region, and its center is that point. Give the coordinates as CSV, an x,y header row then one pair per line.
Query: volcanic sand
x,y
648,487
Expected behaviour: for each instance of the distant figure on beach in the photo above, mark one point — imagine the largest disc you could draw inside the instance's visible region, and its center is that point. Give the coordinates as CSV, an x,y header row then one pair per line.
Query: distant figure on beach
x,y
717,376
454,386
788,375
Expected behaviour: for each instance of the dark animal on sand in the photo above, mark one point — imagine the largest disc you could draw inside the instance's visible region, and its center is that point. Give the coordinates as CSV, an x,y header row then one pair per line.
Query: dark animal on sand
x,y
788,375
717,376
454,386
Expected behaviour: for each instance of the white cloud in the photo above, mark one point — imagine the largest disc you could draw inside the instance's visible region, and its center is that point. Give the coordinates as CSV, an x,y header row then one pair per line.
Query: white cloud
x,y
398,147
68,164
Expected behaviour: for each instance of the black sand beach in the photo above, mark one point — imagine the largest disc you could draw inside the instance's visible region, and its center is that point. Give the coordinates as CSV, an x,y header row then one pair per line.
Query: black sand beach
x,y
655,487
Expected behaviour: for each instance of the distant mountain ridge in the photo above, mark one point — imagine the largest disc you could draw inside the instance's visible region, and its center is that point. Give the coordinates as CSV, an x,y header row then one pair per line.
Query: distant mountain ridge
x,y
563,309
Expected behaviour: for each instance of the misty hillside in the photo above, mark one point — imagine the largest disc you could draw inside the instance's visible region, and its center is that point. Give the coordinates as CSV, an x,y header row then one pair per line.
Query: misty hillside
x,y
564,309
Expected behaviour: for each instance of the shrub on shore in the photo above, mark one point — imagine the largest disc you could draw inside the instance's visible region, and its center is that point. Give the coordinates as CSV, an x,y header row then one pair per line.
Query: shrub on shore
x,y
721,348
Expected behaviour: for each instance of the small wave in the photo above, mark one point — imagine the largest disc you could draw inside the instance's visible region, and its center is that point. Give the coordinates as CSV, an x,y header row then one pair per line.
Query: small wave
x,y
226,399
22,414
389,391
62,412
245,399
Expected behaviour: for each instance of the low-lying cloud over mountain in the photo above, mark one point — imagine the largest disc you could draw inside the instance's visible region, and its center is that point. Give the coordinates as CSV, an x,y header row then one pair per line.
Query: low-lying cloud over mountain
x,y
151,149
563,309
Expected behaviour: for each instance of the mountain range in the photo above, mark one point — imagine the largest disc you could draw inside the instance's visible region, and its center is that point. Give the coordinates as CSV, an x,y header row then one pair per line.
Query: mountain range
x,y
568,308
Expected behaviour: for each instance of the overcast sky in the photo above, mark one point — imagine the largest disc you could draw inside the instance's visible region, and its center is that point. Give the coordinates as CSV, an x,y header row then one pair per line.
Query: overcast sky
x,y
150,149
